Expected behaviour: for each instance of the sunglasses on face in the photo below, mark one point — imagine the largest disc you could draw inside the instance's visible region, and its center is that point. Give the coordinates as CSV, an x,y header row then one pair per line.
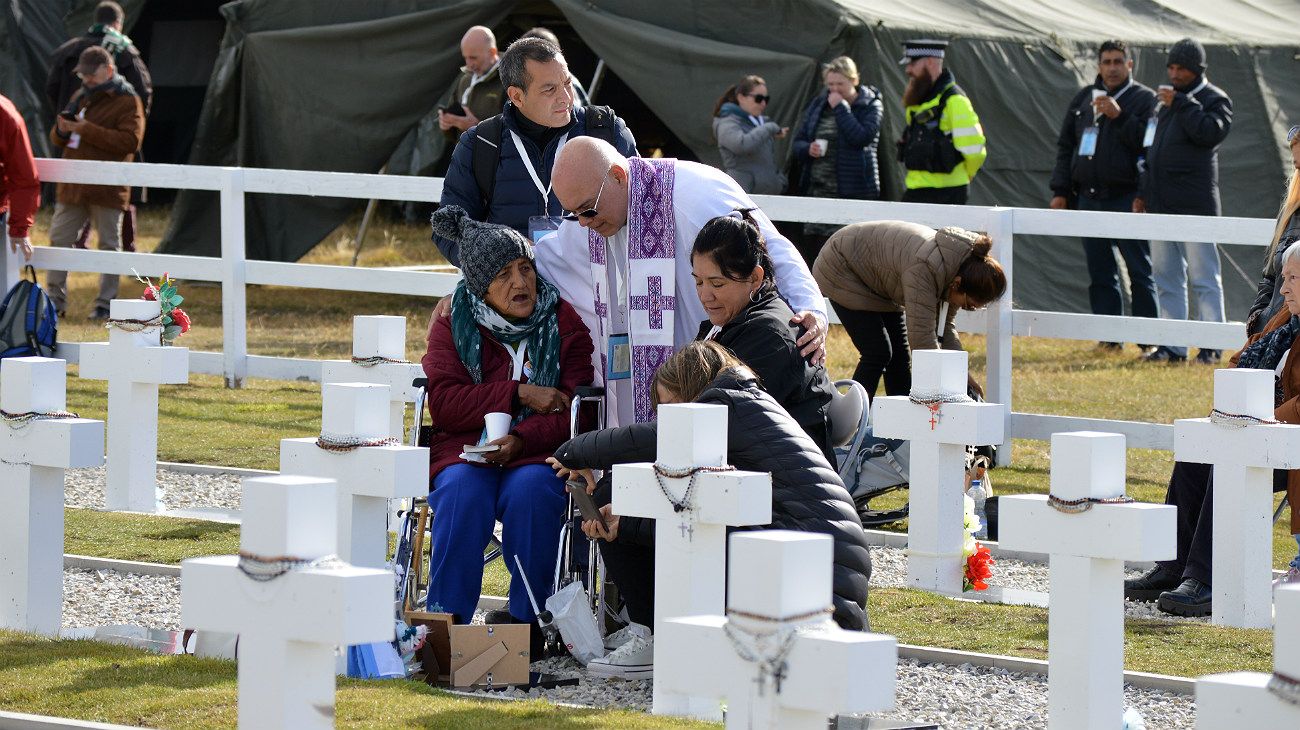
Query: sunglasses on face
x,y
590,212
1292,134
759,98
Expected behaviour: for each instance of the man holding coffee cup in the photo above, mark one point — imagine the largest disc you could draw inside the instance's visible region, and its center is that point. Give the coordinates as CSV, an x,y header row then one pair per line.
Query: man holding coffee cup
x,y
1097,155
1182,137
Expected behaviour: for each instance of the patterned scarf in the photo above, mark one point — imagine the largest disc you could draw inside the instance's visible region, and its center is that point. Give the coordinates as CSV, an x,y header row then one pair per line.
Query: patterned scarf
x,y
1266,352
541,329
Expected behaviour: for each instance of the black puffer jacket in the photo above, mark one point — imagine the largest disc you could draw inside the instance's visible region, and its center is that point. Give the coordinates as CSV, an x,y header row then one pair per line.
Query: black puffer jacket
x,y
807,494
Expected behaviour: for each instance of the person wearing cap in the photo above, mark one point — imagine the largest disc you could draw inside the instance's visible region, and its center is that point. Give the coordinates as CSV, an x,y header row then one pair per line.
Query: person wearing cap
x,y
20,189
104,120
1191,119
106,32
1097,153
943,143
512,346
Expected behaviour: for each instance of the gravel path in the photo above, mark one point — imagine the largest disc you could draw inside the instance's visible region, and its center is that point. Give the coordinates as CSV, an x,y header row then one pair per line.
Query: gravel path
x,y
85,488
108,598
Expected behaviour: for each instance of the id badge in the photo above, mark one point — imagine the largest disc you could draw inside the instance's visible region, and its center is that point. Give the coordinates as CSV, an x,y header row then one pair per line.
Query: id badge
x,y
1149,138
620,357
1088,142
539,226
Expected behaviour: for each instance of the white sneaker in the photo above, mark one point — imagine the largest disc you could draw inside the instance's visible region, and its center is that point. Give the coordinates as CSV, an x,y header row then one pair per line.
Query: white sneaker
x,y
633,660
623,635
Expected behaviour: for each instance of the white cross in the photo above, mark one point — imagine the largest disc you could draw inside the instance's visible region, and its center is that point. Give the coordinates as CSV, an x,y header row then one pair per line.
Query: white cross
x,y
1244,460
368,476
778,574
690,564
938,463
32,459
290,625
379,336
134,364
1241,699
1085,634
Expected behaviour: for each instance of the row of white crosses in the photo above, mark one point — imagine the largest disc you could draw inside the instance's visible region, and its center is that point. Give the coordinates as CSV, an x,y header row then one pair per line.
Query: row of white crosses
x,y
782,578
33,457
937,480
379,357
134,364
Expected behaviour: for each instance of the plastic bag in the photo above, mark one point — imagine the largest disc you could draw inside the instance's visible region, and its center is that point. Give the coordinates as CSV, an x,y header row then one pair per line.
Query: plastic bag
x,y
375,661
571,613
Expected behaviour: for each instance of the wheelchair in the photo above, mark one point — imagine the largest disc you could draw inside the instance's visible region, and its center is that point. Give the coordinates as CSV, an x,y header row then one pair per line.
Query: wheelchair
x,y
578,557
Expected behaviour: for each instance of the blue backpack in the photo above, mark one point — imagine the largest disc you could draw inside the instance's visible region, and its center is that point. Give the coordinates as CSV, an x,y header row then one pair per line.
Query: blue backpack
x,y
29,325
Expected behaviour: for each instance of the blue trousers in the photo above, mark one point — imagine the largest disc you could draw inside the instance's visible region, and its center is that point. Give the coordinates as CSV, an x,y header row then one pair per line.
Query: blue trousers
x,y
1104,289
1174,264
466,502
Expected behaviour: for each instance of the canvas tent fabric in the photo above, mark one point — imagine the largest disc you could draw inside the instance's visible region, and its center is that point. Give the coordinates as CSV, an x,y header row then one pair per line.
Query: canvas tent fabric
x,y
336,86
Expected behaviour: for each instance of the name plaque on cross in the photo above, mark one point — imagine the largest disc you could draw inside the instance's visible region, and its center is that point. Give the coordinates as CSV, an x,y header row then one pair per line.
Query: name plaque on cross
x,y
355,449
1089,528
940,421
776,658
379,357
39,439
691,513
1244,445
134,363
290,600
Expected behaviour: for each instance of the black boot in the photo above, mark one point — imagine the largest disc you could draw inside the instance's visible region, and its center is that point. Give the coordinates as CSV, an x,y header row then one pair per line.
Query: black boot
x,y
1149,586
1190,598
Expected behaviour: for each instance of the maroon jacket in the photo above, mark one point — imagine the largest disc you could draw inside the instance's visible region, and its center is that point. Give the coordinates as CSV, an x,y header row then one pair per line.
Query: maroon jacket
x,y
457,404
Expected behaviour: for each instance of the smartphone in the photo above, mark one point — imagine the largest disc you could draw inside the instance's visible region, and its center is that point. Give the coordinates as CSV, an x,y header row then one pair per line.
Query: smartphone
x,y
586,505
68,116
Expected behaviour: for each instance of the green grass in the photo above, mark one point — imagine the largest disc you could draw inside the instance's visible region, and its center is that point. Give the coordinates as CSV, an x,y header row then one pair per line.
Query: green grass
x,y
145,538
100,682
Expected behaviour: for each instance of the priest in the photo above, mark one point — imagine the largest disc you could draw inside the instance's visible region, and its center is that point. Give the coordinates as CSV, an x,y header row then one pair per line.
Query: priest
x,y
622,258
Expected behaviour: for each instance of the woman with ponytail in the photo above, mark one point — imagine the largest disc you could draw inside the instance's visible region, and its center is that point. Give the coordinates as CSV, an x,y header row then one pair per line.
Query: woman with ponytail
x,y
510,345
747,139
897,286
733,278
1268,301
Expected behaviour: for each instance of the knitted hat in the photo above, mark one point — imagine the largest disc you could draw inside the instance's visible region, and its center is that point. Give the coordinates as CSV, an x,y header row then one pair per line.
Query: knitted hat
x,y
1189,54
485,248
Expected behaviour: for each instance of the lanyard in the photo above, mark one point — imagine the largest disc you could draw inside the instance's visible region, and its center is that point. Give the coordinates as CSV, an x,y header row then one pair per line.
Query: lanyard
x,y
545,190
517,353
474,80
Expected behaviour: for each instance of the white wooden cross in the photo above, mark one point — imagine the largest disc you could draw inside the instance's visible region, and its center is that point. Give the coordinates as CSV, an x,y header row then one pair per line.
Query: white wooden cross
x,y
797,667
134,364
33,455
939,437
690,544
1243,699
382,338
1085,634
1244,459
368,476
290,624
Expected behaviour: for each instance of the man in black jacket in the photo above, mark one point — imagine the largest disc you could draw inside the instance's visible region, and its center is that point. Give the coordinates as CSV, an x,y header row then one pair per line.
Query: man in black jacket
x,y
62,83
1191,120
1096,169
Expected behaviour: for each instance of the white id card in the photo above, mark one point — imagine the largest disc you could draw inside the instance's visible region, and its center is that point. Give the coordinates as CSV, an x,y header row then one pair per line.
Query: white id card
x,y
541,225
1088,142
620,357
1149,138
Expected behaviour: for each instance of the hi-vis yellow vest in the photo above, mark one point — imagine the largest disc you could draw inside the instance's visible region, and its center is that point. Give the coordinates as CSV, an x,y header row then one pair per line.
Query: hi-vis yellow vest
x,y
957,118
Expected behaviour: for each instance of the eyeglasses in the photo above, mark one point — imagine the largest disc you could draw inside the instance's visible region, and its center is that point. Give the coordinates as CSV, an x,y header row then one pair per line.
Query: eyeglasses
x,y
1292,133
590,212
759,98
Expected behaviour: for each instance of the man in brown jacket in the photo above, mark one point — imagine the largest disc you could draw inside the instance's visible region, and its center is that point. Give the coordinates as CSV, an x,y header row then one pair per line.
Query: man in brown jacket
x,y
107,124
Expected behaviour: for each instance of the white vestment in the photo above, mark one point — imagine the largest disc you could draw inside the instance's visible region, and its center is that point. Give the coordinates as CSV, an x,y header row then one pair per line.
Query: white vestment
x,y
700,193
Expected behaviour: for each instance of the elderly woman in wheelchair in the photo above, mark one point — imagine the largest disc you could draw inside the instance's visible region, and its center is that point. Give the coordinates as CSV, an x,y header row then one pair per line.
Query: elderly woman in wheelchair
x,y
509,346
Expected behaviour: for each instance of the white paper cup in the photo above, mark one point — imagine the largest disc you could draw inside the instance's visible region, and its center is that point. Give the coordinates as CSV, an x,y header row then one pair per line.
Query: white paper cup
x,y
1166,86
821,145
498,425
1098,93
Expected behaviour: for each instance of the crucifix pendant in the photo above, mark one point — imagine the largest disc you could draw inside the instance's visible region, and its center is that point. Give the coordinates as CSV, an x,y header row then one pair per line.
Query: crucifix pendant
x,y
778,675
761,681
934,415
688,529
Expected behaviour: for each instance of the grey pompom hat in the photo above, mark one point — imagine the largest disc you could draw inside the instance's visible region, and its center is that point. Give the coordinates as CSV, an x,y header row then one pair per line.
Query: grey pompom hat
x,y
485,248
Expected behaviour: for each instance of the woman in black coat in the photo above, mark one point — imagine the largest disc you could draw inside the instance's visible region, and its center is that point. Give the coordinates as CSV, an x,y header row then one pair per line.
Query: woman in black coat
x,y
807,493
733,279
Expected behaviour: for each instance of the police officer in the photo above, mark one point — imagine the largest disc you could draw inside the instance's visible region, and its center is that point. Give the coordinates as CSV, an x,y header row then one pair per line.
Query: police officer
x,y
943,144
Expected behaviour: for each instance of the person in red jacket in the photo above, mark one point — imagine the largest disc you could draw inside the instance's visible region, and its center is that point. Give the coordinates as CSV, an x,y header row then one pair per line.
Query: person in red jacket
x,y
20,190
511,345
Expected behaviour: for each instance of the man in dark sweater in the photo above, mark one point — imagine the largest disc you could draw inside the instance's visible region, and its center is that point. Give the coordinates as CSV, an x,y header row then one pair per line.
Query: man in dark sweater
x,y
1097,155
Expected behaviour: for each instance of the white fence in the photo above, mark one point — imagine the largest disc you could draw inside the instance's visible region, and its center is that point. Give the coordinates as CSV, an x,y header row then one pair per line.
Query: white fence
x,y
1001,322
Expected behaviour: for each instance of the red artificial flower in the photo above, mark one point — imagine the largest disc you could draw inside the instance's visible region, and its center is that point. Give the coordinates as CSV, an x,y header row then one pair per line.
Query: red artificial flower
x,y
182,320
150,293
977,568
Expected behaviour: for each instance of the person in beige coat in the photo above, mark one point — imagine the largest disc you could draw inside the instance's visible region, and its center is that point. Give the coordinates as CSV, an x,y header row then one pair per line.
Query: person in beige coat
x,y
897,286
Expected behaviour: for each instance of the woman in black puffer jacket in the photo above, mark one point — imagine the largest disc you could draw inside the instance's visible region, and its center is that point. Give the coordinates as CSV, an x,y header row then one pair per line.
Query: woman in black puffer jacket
x,y
807,493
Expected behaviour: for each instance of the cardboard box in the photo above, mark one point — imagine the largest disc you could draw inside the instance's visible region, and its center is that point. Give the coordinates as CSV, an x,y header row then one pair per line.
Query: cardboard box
x,y
466,656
